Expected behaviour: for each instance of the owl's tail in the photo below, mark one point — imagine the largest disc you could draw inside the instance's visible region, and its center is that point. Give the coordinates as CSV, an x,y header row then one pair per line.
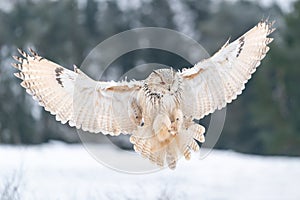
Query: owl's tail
x,y
168,152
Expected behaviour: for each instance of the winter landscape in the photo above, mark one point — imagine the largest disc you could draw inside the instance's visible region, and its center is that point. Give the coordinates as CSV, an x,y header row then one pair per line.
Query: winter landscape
x,y
256,157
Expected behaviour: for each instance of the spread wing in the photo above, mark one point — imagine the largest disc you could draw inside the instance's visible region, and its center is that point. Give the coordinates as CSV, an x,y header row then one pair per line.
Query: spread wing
x,y
214,82
75,98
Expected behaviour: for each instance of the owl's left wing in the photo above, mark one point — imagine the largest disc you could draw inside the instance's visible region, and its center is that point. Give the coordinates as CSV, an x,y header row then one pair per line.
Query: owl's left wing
x,y
216,81
75,98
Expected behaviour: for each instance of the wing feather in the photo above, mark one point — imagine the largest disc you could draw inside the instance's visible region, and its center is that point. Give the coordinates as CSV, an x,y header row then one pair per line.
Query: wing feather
x,y
214,82
75,98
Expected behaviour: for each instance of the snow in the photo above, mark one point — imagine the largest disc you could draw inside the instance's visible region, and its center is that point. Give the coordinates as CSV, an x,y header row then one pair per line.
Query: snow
x,y
61,171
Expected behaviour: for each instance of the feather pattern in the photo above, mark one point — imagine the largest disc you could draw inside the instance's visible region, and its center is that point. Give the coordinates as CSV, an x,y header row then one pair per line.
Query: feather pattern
x,y
214,82
75,98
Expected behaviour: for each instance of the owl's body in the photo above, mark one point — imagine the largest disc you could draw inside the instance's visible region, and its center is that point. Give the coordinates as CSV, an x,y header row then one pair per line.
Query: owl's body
x,y
164,129
159,111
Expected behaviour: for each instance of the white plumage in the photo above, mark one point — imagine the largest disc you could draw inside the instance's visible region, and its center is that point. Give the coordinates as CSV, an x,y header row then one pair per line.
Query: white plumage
x,y
158,111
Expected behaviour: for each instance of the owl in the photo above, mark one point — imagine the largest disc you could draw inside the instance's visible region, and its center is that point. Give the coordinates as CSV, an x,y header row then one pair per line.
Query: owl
x,y
159,112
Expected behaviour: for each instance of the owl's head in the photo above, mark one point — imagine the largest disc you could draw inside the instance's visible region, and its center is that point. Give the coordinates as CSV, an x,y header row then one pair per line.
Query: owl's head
x,y
163,82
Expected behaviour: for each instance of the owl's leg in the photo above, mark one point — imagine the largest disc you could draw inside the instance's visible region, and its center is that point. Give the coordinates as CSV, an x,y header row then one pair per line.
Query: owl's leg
x,y
162,127
176,120
189,132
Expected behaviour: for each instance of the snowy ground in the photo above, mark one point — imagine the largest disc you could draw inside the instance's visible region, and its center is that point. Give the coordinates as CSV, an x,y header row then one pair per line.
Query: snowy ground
x,y
60,171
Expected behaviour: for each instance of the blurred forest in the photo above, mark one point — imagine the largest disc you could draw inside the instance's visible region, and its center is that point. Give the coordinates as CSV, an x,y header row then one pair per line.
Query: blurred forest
x,y
264,120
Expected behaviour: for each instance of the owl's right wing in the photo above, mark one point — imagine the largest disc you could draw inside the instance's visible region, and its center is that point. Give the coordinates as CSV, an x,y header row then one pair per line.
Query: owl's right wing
x,y
216,81
75,98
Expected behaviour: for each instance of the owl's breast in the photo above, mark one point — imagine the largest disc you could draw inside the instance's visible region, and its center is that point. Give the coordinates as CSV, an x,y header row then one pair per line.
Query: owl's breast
x,y
168,103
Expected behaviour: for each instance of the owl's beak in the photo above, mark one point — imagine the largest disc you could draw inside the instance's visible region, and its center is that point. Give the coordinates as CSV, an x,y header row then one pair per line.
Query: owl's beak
x,y
142,122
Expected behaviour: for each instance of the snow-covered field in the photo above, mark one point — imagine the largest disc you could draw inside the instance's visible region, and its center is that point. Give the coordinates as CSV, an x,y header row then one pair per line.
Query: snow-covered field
x,y
60,171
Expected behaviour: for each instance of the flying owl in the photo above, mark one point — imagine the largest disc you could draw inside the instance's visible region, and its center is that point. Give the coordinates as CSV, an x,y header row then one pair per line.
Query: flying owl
x,y
158,112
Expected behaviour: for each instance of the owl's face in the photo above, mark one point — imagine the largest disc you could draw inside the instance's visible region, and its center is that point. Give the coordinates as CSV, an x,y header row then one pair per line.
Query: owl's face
x,y
162,82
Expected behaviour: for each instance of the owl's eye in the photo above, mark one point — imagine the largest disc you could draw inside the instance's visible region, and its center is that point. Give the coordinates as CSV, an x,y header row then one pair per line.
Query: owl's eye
x,y
162,83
